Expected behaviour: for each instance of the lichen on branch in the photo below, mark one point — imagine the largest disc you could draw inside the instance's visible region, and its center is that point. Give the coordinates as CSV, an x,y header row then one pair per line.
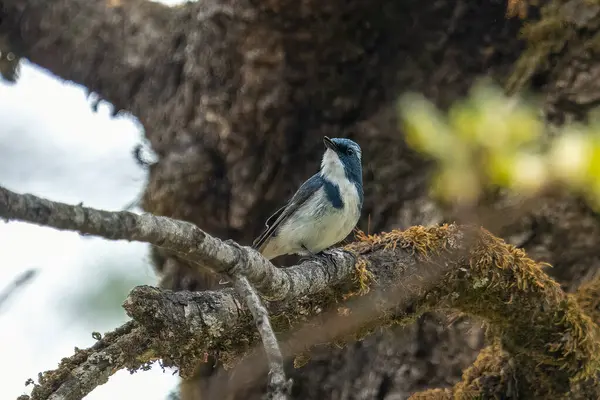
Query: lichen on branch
x,y
127,347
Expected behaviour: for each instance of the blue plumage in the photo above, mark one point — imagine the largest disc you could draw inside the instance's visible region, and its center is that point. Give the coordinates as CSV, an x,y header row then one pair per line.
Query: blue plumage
x,y
325,208
333,193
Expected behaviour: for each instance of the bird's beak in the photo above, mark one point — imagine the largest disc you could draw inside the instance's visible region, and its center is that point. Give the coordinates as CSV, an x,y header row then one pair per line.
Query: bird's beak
x,y
329,143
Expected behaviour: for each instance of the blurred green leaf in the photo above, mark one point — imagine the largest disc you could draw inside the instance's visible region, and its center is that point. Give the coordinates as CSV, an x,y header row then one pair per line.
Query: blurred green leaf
x,y
491,140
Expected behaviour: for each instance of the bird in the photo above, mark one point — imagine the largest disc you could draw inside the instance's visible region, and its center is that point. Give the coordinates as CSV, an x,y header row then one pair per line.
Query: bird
x,y
323,211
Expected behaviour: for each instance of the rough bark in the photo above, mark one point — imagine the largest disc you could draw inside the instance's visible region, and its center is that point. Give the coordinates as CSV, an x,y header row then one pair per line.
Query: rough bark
x,y
235,96
191,243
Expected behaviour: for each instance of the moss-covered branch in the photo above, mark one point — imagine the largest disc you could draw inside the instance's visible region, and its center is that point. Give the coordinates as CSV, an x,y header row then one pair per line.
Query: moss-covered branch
x,y
218,323
547,345
588,298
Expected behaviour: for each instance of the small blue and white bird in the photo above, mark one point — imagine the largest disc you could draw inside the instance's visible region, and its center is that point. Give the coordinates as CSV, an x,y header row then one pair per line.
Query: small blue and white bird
x,y
323,211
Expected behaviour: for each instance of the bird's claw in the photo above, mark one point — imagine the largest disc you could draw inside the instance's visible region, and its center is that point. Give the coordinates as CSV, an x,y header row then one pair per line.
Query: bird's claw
x,y
309,257
320,256
328,256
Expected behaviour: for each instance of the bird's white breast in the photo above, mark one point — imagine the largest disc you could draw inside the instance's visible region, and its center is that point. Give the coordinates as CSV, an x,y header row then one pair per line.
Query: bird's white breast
x,y
332,168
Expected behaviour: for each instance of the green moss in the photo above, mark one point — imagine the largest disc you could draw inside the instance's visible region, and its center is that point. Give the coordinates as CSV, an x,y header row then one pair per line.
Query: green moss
x,y
433,394
553,342
588,298
420,240
483,380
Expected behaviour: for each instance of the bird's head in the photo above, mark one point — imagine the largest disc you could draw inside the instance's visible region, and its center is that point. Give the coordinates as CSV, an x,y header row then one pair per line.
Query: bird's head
x,y
342,158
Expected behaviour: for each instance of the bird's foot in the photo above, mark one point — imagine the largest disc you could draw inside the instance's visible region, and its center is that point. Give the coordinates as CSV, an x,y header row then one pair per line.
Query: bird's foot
x,y
308,255
327,255
320,256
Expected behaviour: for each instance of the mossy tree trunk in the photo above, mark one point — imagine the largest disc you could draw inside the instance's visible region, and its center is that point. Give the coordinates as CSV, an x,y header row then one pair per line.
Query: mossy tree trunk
x,y
236,95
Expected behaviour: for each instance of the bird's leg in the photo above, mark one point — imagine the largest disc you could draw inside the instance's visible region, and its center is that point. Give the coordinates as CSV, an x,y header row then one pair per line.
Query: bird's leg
x,y
320,255
327,255
309,254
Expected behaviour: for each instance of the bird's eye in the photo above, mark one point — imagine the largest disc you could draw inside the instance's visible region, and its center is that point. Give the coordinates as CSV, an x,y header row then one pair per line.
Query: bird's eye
x,y
349,152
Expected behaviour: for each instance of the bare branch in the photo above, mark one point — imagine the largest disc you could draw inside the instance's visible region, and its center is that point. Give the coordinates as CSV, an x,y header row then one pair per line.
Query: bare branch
x,y
279,387
17,284
178,236
183,238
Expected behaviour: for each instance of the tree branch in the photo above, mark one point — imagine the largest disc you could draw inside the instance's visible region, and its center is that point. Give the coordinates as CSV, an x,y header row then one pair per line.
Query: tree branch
x,y
495,372
279,387
126,347
18,283
190,325
185,239
128,35
424,268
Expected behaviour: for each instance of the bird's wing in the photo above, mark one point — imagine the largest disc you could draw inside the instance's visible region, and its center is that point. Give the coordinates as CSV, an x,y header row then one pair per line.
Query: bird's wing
x,y
307,189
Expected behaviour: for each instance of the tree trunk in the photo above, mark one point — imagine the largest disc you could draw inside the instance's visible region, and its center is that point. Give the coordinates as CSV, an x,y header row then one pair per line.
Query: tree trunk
x,y
235,97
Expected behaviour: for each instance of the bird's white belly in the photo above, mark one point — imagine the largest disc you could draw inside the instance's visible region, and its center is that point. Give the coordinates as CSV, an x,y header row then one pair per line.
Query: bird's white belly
x,y
317,225
327,230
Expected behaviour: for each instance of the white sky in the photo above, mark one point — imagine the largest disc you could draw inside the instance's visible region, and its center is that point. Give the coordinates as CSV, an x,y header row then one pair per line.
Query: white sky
x,y
53,145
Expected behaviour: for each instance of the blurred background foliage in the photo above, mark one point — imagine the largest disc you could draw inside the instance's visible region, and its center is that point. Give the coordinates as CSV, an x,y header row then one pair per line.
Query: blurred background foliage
x,y
490,140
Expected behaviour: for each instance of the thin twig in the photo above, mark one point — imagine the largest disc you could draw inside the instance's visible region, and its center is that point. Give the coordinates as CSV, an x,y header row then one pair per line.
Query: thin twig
x,y
278,387
18,283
